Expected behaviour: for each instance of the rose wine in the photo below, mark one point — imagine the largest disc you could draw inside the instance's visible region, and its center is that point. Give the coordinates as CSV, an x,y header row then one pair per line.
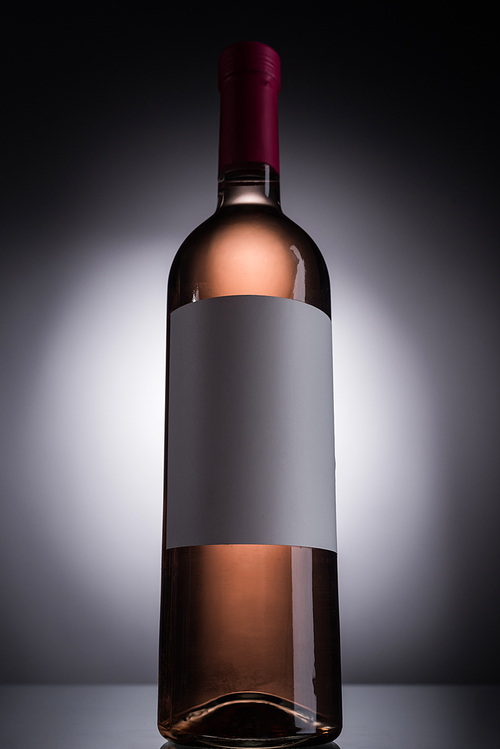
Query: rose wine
x,y
249,627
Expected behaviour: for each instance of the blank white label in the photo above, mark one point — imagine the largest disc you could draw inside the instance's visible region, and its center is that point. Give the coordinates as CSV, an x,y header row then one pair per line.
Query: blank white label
x,y
250,424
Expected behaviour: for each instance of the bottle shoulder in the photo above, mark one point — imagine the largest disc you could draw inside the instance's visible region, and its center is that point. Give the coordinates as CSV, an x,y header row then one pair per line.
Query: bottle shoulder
x,y
249,249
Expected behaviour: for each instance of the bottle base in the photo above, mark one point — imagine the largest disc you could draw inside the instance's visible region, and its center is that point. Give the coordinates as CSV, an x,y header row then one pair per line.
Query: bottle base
x,y
249,719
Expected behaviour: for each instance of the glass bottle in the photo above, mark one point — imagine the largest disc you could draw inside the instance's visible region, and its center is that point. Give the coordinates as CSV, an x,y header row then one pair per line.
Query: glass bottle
x,y
249,628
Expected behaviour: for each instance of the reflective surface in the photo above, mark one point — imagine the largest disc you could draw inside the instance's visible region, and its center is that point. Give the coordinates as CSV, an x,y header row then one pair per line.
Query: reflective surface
x,y
124,717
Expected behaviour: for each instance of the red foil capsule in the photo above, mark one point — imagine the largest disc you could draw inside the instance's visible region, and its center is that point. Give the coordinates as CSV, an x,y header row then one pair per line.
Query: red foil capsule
x,y
249,82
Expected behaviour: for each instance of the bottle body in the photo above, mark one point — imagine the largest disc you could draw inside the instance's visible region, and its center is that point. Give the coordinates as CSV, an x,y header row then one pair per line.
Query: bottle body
x,y
249,642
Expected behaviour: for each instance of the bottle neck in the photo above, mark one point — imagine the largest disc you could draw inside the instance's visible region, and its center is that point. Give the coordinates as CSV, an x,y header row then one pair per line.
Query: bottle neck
x,y
253,183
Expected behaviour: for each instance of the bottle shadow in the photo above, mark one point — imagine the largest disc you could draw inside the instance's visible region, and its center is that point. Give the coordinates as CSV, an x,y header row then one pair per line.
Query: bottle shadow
x,y
168,745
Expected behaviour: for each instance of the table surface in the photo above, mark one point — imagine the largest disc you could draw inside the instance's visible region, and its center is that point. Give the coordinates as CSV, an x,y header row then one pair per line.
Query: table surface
x,y
124,717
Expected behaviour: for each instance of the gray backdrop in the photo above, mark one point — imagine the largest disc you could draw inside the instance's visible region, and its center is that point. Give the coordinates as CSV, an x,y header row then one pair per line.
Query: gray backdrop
x,y
389,160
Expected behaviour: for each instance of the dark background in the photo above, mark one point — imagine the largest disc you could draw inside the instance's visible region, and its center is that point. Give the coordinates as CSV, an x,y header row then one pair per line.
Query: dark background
x,y
389,154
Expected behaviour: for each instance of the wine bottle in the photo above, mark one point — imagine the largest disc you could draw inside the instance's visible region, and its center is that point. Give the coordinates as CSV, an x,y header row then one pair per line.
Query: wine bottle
x,y
249,626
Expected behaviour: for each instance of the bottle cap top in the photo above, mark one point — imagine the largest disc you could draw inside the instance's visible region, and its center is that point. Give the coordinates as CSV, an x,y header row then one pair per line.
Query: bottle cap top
x,y
245,57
